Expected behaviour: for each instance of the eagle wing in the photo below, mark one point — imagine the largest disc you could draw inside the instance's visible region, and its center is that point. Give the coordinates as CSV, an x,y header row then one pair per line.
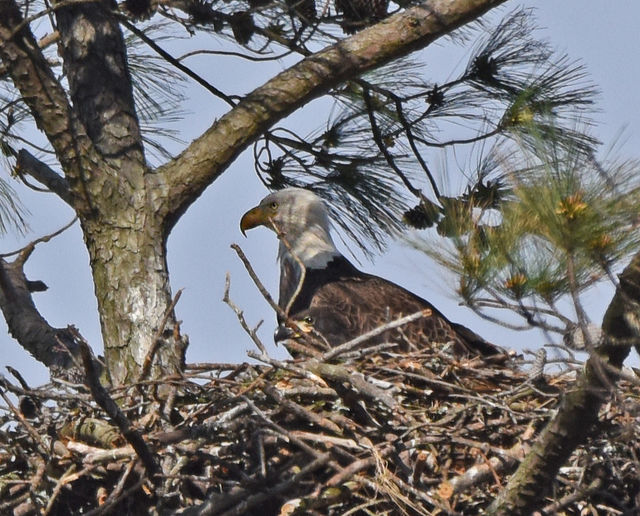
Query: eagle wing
x,y
343,310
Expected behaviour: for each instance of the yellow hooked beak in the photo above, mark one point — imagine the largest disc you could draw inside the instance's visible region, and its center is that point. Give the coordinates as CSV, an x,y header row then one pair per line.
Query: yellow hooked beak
x,y
261,215
304,325
255,217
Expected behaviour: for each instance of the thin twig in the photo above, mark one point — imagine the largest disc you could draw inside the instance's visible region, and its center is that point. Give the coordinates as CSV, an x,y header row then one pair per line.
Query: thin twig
x,y
117,492
300,411
26,251
107,506
105,401
579,494
240,315
69,476
157,338
378,139
43,448
175,62
303,269
410,138
257,282
348,346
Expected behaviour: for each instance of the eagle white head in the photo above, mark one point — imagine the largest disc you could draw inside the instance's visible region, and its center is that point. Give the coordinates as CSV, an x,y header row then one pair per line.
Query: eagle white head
x,y
302,222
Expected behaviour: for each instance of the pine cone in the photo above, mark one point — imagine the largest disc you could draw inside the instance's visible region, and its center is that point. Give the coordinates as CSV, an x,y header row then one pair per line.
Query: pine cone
x,y
358,14
304,9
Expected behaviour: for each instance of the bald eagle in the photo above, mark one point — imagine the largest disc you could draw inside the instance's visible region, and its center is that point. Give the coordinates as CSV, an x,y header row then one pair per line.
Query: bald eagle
x,y
321,290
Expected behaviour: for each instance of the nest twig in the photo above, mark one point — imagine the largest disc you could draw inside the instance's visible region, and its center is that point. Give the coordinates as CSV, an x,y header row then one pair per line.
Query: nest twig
x,y
308,438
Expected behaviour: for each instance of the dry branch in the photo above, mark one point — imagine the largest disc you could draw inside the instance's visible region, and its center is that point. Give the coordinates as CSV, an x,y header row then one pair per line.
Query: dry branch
x,y
105,401
54,347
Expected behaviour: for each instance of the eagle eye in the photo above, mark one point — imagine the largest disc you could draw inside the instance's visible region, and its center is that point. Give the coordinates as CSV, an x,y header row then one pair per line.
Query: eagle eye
x,y
308,319
274,205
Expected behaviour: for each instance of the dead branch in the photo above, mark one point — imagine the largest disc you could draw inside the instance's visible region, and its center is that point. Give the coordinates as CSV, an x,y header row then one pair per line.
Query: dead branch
x,y
240,315
258,283
105,401
157,338
25,322
353,343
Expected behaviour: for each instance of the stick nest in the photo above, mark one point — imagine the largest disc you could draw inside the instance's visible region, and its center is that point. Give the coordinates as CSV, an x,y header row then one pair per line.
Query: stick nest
x,y
370,432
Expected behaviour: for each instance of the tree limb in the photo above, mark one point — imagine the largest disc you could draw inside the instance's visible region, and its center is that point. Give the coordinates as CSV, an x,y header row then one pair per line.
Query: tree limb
x,y
27,163
26,324
41,91
210,154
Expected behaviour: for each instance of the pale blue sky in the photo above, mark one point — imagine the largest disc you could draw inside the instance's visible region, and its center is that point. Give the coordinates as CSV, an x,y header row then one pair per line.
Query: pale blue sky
x,y
603,34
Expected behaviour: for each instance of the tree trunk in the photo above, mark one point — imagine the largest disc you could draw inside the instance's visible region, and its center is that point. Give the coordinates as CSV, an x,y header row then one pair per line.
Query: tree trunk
x,y
134,297
126,210
123,230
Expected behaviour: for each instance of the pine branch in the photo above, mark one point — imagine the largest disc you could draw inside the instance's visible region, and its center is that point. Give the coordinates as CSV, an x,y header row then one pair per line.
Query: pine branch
x,y
25,63
198,166
578,415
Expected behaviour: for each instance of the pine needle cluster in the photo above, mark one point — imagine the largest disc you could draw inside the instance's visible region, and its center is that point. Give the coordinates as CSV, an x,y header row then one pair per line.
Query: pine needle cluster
x,y
567,223
372,160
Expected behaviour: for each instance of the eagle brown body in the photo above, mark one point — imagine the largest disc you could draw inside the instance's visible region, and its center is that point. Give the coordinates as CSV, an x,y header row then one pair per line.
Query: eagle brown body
x,y
321,290
342,303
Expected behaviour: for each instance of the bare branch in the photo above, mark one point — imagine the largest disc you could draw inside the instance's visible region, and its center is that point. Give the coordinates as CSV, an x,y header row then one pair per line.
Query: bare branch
x,y
26,251
176,62
240,315
26,324
258,283
378,138
105,401
348,346
27,163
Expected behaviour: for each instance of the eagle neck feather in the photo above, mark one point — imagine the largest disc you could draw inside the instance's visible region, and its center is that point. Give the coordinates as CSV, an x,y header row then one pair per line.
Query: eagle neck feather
x,y
314,247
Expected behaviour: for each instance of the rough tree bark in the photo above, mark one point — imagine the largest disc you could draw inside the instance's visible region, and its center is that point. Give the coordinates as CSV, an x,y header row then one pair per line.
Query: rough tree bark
x,y
98,143
127,210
